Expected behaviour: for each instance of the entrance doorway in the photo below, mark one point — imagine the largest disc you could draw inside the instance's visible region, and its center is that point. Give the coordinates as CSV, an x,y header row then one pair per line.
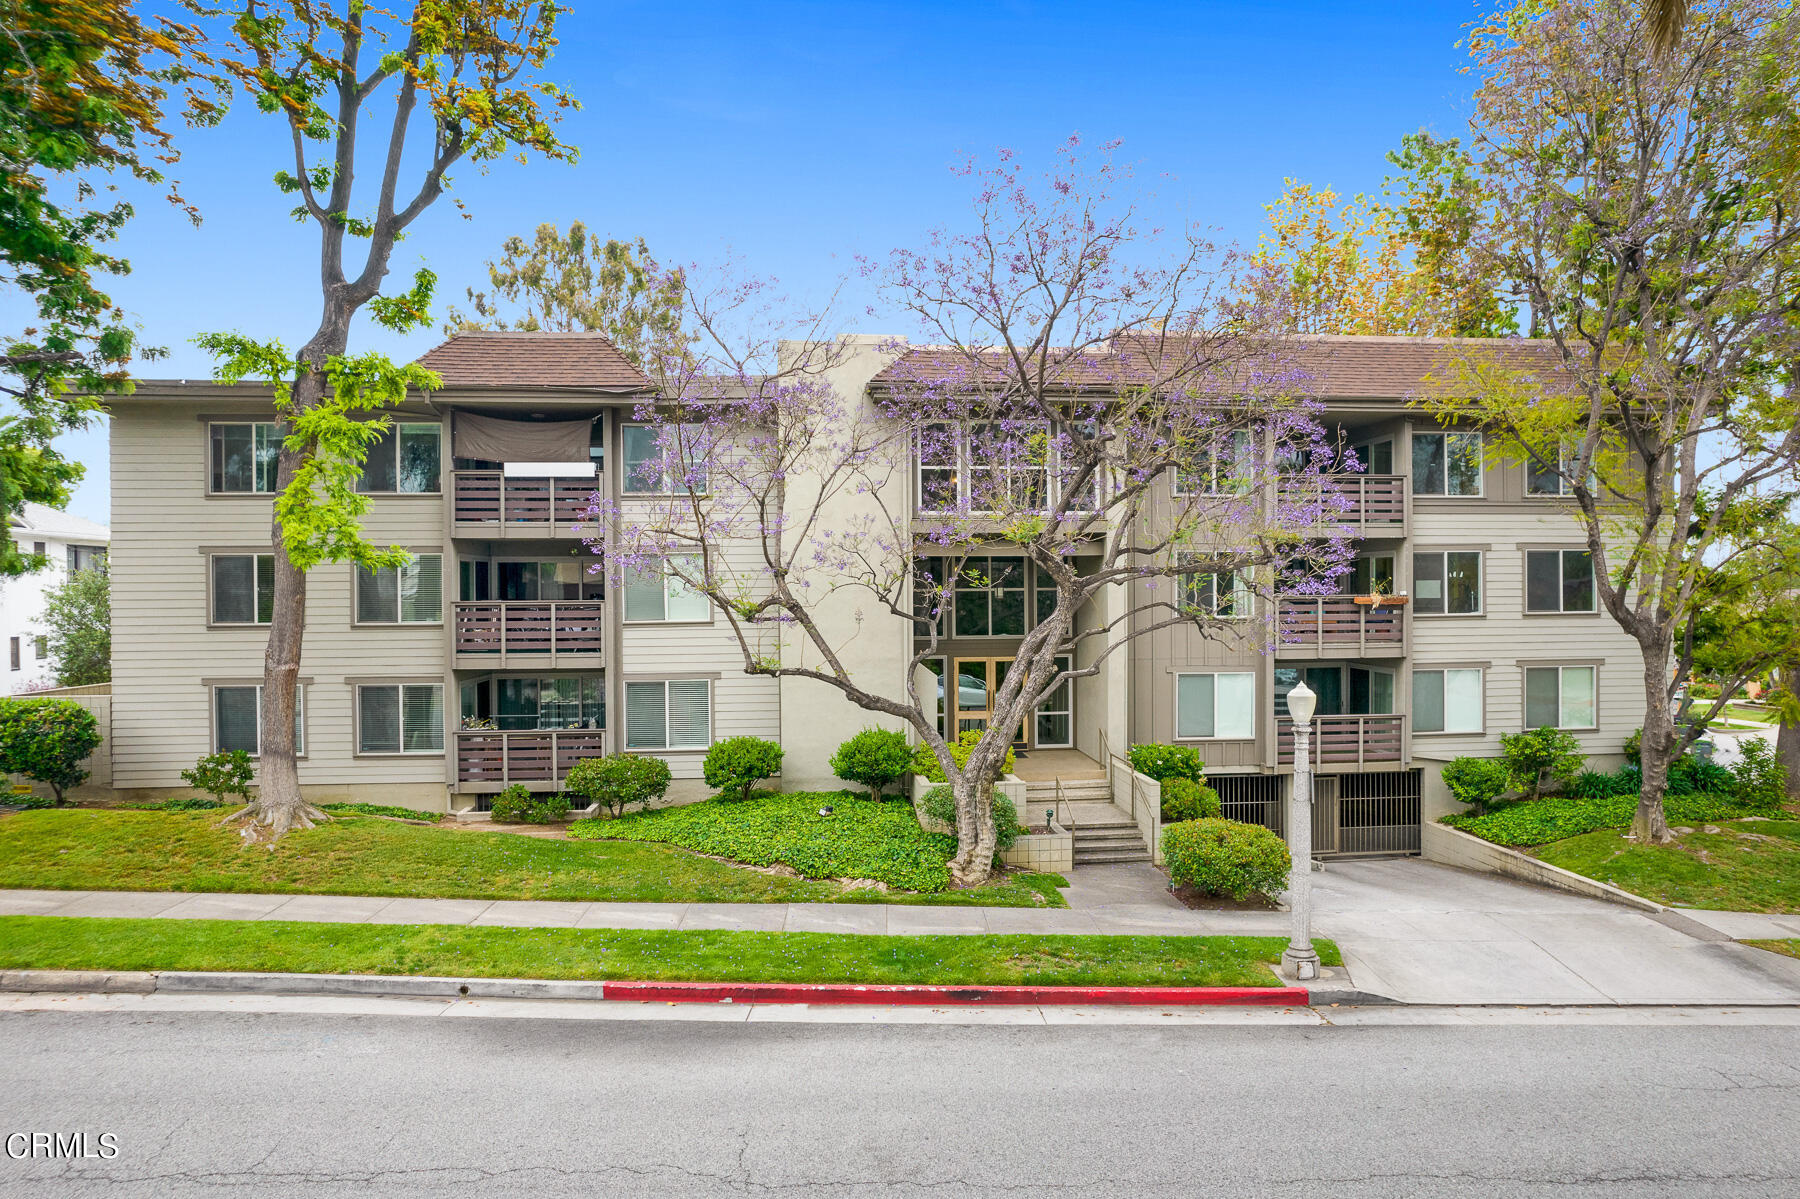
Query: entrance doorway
x,y
978,680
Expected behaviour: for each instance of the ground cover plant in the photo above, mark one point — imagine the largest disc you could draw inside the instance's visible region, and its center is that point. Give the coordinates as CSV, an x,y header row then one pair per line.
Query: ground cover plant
x,y
1542,821
44,942
855,838
1735,866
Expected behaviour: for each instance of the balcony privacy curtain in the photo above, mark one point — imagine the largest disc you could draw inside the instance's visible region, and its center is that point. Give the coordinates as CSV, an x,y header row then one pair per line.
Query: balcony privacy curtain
x,y
496,440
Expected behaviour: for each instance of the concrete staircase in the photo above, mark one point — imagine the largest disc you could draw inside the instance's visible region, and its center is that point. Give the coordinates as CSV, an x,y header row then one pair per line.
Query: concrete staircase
x,y
1103,833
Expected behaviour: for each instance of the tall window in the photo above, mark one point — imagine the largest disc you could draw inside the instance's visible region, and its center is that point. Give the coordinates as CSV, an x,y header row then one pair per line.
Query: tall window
x,y
243,456
243,588
1223,594
409,594
87,557
1372,573
662,595
237,719
1447,583
940,467
406,459
1561,697
1009,466
990,598
1221,706
1224,468
1446,463
663,461
676,714
400,718
1447,701
1559,581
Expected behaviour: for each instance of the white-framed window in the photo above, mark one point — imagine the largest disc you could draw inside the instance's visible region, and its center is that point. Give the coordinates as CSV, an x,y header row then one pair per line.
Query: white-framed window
x,y
87,557
1448,700
1222,595
1559,581
243,588
1219,705
662,595
657,457
995,466
1220,469
400,718
1446,464
1447,583
409,594
242,456
237,718
42,646
406,460
939,453
1563,697
676,714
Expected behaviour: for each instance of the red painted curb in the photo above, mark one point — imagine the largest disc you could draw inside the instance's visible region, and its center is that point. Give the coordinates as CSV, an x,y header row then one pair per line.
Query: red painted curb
x,y
844,993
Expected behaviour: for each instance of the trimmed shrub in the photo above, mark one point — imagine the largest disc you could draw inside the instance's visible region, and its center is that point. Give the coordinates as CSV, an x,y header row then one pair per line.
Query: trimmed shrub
x,y
1184,799
925,763
47,740
516,805
1542,760
876,758
617,781
940,804
1163,762
1477,782
221,775
737,764
1225,857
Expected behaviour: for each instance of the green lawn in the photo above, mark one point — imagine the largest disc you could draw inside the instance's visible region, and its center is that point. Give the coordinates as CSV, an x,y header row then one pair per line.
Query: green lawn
x,y
1790,948
86,849
1747,866
859,839
71,942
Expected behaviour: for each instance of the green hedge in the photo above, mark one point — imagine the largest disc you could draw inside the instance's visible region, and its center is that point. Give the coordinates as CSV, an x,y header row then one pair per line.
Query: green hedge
x,y
1184,799
1539,822
1162,762
860,839
1226,857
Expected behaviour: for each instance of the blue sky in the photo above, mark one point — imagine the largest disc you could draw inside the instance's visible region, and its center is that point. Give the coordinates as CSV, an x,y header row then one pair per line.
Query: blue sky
x,y
796,136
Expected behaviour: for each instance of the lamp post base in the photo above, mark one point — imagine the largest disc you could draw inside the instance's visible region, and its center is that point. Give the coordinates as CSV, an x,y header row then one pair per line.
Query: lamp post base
x,y
1301,965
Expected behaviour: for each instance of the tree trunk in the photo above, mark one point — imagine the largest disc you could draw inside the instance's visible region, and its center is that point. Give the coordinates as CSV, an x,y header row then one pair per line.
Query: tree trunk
x,y
1657,751
279,806
1787,735
975,837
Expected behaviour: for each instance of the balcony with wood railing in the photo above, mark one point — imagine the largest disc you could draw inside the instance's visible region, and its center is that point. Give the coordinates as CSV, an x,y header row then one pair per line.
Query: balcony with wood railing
x,y
1348,742
1337,626
550,634
491,503
1377,503
490,760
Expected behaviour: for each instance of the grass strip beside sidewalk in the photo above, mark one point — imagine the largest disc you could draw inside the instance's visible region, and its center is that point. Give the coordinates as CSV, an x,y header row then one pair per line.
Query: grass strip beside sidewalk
x,y
92,943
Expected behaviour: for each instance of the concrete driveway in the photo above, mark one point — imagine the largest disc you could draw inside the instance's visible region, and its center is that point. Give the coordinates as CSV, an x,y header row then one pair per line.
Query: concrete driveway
x,y
1426,933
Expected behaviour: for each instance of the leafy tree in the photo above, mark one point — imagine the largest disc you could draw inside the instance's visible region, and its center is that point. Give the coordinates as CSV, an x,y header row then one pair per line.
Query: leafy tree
x,y
83,89
78,626
1078,361
467,73
1650,210
574,282
47,740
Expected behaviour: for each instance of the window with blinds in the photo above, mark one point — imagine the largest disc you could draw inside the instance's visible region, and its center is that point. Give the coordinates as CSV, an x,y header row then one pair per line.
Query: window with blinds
x,y
400,718
237,719
243,588
661,595
676,714
410,594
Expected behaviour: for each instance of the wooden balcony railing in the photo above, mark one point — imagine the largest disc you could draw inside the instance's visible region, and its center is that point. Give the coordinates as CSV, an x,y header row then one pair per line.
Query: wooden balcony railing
x,y
490,759
1376,501
1336,625
1347,740
521,503
529,632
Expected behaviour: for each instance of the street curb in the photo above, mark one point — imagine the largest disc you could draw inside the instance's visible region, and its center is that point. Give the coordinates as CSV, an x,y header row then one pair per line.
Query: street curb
x,y
819,994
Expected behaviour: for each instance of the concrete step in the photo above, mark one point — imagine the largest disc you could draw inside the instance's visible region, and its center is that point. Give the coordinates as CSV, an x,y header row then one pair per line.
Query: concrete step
x,y
1108,856
1121,832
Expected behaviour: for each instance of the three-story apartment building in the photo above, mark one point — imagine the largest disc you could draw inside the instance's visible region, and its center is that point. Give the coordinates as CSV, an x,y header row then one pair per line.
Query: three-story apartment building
x,y
501,655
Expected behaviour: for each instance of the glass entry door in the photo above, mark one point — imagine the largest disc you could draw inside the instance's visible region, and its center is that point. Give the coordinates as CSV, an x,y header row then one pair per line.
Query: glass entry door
x,y
978,680
1056,714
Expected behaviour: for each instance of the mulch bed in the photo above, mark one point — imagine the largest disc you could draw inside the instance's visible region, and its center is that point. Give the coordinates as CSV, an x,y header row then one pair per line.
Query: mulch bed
x,y
1200,901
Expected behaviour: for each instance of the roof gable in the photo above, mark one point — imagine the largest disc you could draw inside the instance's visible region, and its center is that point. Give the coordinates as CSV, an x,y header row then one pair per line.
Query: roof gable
x,y
584,361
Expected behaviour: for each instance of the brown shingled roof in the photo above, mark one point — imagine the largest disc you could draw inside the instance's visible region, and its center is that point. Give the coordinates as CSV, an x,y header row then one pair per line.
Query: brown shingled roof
x,y
1336,366
579,361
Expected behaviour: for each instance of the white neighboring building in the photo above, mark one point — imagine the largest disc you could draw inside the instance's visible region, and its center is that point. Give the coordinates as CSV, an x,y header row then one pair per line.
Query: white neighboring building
x,y
71,543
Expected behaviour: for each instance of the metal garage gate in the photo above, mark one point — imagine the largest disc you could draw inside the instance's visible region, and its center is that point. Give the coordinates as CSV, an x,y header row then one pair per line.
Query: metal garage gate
x,y
1373,813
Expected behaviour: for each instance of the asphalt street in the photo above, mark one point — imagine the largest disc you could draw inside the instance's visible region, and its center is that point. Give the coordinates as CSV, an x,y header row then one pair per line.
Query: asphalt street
x,y
308,1104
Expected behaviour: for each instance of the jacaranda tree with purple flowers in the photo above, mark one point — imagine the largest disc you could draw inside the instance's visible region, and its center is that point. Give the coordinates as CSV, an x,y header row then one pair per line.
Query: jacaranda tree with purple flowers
x,y
1105,402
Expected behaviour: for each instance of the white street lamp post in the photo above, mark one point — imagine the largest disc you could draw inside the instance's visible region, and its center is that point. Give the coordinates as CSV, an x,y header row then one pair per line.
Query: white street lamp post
x,y
1300,960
